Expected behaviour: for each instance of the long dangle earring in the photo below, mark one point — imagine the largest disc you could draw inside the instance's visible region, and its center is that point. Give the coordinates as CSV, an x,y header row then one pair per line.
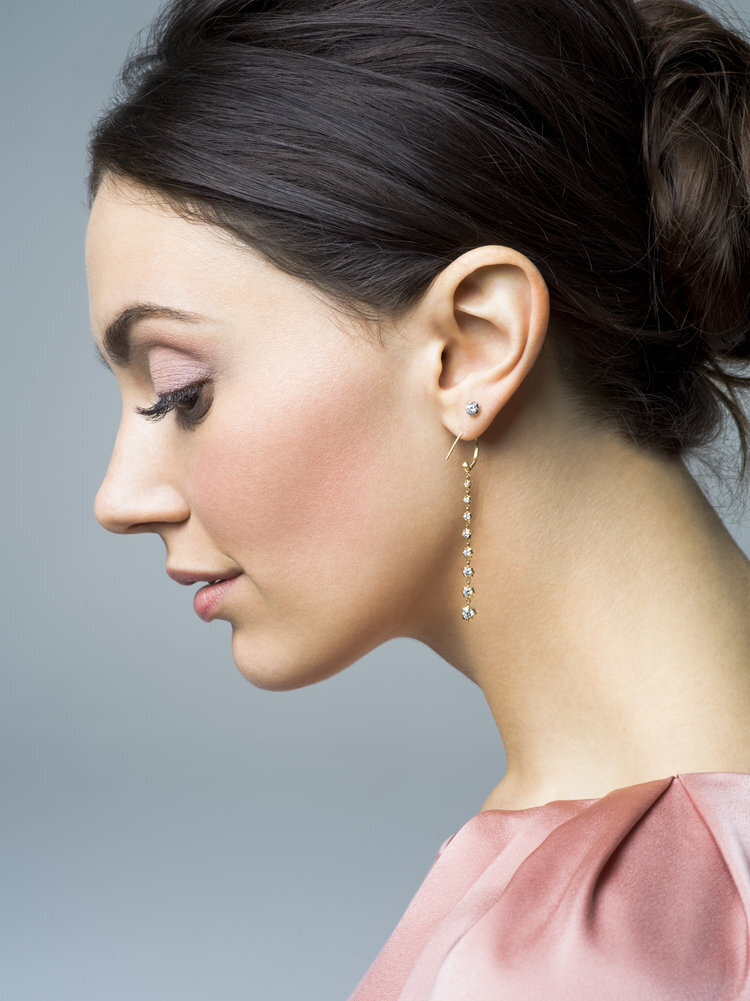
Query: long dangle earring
x,y
468,612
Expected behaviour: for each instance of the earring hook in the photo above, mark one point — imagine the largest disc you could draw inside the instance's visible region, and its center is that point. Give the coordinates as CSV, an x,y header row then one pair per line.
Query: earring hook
x,y
467,465
453,446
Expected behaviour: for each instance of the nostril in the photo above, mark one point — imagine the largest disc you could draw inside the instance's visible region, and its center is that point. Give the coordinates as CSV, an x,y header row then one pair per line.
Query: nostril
x,y
132,506
142,487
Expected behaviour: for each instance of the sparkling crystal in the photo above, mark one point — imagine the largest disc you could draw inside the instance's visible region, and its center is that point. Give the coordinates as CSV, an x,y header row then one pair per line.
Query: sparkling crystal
x,y
468,552
467,484
472,408
466,533
468,571
467,499
467,515
468,612
468,591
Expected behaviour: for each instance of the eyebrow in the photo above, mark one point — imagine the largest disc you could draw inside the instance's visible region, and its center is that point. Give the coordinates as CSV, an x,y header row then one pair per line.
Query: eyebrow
x,y
117,335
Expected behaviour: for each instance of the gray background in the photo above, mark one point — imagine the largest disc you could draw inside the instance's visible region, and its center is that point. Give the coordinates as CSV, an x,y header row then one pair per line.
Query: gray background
x,y
168,831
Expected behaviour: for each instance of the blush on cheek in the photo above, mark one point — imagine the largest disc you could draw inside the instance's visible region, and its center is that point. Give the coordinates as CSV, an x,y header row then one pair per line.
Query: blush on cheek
x,y
293,503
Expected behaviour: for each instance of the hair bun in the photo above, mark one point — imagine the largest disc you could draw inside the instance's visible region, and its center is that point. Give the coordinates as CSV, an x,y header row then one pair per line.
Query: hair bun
x,y
696,150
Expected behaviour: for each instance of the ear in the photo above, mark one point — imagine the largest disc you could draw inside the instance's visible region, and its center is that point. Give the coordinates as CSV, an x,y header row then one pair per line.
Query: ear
x,y
487,314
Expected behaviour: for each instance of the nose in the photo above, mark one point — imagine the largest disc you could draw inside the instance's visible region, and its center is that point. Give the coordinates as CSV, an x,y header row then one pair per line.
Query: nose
x,y
139,491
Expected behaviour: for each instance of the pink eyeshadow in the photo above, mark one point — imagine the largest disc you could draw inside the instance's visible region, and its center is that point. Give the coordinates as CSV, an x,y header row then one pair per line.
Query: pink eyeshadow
x,y
172,369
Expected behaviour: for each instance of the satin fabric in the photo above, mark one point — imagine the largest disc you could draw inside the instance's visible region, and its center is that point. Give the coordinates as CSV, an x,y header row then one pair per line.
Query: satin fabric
x,y
639,895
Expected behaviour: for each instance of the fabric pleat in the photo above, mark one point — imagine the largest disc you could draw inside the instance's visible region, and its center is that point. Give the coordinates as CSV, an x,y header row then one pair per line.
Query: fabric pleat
x,y
639,895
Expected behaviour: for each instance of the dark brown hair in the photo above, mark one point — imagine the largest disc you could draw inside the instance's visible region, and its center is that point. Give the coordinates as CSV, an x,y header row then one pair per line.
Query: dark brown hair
x,y
362,145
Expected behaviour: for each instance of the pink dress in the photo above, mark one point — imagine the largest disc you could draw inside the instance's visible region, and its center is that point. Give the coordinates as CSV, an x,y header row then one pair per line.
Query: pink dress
x,y
640,895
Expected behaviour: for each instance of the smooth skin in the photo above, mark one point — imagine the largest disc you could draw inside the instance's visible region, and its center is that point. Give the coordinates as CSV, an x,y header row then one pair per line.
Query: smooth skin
x,y
612,639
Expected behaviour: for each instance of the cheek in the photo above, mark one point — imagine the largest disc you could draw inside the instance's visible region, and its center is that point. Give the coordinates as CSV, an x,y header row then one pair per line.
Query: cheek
x,y
291,489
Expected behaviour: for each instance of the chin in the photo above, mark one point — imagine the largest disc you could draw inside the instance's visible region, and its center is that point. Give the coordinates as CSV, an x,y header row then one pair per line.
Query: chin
x,y
276,670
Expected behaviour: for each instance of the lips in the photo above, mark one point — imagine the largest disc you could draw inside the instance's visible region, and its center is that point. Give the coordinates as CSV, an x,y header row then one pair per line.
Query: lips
x,y
208,599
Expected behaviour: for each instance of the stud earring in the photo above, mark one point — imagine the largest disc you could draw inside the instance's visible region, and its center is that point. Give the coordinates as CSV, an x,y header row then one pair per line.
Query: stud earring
x,y
468,612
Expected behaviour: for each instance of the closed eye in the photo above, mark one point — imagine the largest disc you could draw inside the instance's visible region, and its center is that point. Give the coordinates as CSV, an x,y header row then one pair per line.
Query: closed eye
x,y
191,404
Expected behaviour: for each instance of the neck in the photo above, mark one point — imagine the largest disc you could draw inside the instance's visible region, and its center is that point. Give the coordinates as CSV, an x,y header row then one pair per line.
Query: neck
x,y
612,640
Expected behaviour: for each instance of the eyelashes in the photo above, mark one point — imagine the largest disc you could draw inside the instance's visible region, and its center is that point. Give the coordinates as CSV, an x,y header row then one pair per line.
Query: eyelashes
x,y
191,404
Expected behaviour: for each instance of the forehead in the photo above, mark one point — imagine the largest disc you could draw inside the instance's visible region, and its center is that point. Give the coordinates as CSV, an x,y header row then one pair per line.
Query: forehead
x,y
138,250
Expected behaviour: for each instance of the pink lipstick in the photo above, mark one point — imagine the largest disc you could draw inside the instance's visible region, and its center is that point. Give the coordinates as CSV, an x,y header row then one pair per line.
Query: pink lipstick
x,y
207,599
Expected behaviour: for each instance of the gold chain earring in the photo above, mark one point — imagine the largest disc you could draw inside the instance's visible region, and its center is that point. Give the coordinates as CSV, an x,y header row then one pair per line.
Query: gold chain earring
x,y
468,612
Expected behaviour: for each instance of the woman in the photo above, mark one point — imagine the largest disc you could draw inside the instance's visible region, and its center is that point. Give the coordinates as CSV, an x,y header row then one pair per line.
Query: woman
x,y
339,242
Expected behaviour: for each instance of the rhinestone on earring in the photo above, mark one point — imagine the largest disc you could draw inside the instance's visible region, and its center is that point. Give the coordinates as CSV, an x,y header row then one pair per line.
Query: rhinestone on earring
x,y
467,612
472,409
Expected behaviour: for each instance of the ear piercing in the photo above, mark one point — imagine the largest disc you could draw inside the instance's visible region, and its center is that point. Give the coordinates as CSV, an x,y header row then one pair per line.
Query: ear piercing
x,y
468,612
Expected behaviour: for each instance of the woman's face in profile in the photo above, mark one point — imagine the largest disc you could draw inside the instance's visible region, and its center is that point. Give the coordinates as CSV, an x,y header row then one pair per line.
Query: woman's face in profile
x,y
291,465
